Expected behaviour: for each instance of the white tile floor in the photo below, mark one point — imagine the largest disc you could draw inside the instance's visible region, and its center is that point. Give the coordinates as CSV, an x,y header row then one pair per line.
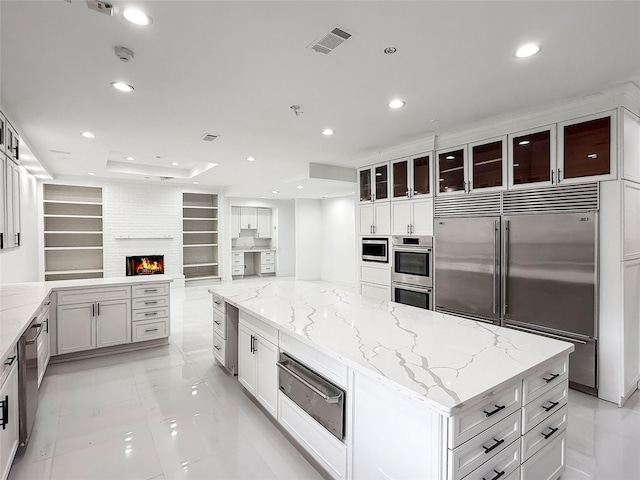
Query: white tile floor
x,y
170,413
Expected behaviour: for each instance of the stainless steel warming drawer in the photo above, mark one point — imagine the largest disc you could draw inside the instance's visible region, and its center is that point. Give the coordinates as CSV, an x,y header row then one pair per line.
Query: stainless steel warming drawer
x,y
317,396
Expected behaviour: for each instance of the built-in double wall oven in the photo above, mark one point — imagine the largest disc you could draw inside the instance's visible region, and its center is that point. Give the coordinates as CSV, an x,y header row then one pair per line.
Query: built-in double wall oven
x,y
412,273
375,249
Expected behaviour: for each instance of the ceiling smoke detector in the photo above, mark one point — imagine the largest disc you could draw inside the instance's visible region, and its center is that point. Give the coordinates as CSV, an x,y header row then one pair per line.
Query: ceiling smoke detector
x,y
102,7
330,41
207,137
123,53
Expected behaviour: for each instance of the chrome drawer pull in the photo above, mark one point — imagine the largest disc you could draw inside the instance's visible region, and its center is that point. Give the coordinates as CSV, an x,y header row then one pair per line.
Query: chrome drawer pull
x,y
498,475
553,376
151,290
151,302
551,407
493,412
495,445
9,361
551,432
151,330
150,314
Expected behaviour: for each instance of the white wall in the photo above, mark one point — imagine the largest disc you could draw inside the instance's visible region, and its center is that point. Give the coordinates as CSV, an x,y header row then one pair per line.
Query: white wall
x,y
309,239
339,249
283,218
21,264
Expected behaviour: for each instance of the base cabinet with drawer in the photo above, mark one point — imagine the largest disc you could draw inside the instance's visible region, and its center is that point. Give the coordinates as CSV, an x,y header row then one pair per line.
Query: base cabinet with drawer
x,y
8,412
225,334
257,357
150,311
267,263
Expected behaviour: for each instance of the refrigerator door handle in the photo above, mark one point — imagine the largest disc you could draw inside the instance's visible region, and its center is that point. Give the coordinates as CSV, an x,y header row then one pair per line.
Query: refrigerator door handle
x,y
505,267
495,257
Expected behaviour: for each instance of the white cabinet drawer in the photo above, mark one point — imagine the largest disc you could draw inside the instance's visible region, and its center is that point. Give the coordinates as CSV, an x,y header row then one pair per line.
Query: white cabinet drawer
x,y
379,275
236,255
267,260
543,406
481,416
219,345
237,270
9,360
267,268
267,255
480,449
150,302
237,261
220,324
93,295
148,330
544,380
150,290
219,304
545,433
548,463
500,466
150,313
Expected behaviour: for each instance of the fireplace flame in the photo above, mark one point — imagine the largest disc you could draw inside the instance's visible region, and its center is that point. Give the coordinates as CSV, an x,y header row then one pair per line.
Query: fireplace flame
x,y
148,266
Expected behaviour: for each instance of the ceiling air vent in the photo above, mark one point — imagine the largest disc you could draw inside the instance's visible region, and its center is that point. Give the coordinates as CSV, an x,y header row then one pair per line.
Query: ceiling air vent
x,y
330,41
207,137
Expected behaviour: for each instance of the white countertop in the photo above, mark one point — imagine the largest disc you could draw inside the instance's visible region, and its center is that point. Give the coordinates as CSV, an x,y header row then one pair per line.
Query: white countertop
x,y
19,302
249,250
443,360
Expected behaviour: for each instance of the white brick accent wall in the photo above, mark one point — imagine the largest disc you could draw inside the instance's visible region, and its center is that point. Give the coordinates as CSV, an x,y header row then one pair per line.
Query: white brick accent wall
x,y
139,210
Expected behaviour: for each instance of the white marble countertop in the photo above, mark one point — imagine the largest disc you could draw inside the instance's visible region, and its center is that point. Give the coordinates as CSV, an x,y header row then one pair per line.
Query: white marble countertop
x,y
446,361
19,302
250,250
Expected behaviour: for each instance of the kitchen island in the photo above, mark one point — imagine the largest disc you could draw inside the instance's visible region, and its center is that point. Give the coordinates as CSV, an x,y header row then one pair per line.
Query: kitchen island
x,y
427,395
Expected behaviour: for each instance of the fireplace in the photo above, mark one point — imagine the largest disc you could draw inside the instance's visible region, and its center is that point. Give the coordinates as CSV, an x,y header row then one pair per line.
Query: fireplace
x,y
145,265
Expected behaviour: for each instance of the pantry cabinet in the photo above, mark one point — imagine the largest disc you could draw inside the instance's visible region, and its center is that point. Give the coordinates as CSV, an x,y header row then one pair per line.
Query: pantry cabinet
x,y
411,177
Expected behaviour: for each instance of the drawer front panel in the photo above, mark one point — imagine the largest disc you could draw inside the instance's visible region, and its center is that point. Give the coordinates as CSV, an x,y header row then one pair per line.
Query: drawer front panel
x,y
150,290
548,463
471,455
237,270
220,324
148,330
93,295
235,255
545,433
267,268
219,349
150,302
150,313
237,261
9,361
544,380
468,424
267,260
381,276
266,255
543,406
500,466
219,304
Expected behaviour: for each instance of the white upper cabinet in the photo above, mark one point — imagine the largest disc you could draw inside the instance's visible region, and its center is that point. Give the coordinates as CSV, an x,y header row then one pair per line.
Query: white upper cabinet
x,y
587,148
631,146
235,222
373,183
412,217
264,223
532,157
3,133
487,165
12,205
248,217
411,177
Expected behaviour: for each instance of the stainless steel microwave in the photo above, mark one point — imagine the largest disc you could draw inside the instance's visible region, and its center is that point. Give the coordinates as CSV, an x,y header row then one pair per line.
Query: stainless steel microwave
x,y
375,250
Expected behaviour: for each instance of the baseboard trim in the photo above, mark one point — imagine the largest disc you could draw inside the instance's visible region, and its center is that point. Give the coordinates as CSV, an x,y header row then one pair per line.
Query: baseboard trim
x,y
101,352
629,390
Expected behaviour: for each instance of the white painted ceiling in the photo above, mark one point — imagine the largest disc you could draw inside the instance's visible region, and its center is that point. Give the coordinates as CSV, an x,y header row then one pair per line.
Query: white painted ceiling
x,y
234,68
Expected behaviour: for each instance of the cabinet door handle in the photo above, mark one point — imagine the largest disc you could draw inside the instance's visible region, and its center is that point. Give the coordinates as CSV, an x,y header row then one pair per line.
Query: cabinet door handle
x,y
1,241
216,347
217,322
151,330
9,361
18,239
552,430
559,175
495,445
93,310
98,309
251,344
552,176
47,327
411,228
551,406
493,412
552,377
498,475
408,230
5,412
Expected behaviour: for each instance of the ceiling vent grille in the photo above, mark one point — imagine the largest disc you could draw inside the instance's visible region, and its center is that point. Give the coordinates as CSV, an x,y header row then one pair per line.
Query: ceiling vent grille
x,y
207,137
330,41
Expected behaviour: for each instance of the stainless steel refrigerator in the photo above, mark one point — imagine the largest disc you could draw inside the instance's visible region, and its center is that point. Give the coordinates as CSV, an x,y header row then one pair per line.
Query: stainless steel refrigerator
x,y
536,273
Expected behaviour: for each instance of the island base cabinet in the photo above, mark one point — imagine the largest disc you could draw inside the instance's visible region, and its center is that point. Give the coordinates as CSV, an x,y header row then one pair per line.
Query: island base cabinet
x,y
381,415
8,420
246,360
113,323
76,327
549,463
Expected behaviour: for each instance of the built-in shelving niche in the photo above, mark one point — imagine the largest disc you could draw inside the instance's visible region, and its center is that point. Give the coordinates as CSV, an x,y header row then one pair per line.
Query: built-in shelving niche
x,y
200,236
72,232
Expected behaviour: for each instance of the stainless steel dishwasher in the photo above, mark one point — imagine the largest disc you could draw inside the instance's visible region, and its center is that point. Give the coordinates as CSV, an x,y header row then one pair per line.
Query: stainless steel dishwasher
x,y
314,394
28,379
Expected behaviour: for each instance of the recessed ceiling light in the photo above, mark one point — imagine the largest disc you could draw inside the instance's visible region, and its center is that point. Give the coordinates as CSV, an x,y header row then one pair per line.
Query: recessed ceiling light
x,y
527,50
524,142
196,183
251,159
397,103
131,159
275,191
175,164
262,196
123,87
300,187
90,173
137,17
352,193
325,196
88,135
390,50
158,156
450,157
327,132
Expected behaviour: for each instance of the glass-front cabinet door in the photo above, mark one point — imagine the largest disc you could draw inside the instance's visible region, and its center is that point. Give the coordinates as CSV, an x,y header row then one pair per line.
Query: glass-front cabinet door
x,y
381,181
411,177
373,183
532,157
364,183
452,175
487,164
587,147
400,179
421,175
